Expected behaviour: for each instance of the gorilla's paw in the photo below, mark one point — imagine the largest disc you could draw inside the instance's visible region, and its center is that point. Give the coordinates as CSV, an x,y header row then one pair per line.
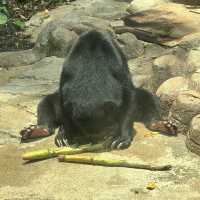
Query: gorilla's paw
x,y
165,127
33,132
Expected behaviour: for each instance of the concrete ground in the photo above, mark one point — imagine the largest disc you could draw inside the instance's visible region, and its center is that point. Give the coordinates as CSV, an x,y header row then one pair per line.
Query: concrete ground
x,y
52,180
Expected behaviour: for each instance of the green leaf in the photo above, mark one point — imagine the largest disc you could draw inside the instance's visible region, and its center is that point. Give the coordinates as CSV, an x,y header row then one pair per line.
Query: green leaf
x,y
3,19
4,10
19,23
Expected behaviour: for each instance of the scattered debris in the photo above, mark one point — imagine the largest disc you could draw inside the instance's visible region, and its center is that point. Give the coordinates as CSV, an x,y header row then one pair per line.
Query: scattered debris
x,y
151,185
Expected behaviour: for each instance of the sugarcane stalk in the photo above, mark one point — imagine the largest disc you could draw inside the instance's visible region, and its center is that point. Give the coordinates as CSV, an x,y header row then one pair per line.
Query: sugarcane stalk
x,y
114,162
54,152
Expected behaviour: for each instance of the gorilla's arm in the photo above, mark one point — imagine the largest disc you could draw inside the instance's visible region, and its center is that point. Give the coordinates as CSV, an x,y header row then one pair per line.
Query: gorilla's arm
x,y
49,117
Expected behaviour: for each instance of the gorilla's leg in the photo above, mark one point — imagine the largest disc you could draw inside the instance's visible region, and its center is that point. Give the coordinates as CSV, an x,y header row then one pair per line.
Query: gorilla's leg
x,y
126,131
49,112
148,112
49,118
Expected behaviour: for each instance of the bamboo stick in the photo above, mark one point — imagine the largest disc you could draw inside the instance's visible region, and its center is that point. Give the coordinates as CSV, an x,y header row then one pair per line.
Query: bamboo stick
x,y
54,152
114,162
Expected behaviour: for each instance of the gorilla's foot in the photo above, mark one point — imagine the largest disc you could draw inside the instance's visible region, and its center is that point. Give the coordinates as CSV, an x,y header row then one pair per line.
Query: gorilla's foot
x,y
165,127
33,132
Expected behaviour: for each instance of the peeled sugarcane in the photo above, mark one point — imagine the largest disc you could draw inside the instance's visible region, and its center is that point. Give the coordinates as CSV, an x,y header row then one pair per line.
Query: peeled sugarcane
x,y
66,154
54,152
99,160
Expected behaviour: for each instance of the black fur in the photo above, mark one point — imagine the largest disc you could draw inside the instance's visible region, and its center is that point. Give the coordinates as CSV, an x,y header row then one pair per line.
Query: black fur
x,y
96,97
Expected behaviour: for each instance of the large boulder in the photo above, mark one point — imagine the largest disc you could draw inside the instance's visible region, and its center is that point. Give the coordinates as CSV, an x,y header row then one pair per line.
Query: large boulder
x,y
188,2
193,59
55,40
194,83
101,9
193,135
191,41
141,71
170,90
176,22
106,9
130,45
152,50
184,108
37,79
19,58
168,66
142,5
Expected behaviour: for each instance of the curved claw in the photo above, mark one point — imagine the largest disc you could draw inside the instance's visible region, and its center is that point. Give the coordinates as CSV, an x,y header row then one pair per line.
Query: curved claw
x,y
114,144
124,145
57,141
121,143
60,139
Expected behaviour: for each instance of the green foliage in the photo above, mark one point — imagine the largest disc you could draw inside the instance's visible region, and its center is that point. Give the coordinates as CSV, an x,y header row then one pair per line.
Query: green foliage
x,y
17,11
4,10
3,19
19,23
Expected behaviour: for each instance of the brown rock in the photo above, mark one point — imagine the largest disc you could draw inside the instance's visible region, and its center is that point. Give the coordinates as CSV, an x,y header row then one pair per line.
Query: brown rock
x,y
194,132
192,146
193,135
168,66
141,5
169,91
176,22
130,45
184,108
194,83
193,59
141,71
18,58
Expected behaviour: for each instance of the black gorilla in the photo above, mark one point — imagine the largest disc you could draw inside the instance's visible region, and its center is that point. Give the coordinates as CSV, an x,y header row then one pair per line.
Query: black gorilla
x,y
96,98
